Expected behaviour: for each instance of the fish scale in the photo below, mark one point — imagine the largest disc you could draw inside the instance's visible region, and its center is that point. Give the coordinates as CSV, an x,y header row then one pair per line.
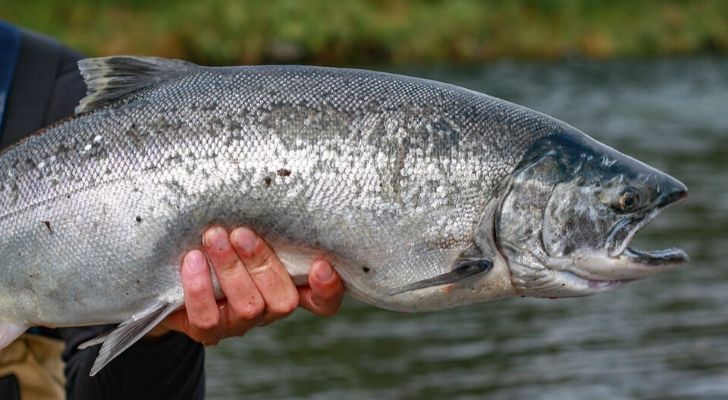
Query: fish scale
x,y
300,117
389,177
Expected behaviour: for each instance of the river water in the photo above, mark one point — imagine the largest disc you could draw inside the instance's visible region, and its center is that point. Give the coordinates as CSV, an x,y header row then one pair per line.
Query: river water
x,y
664,338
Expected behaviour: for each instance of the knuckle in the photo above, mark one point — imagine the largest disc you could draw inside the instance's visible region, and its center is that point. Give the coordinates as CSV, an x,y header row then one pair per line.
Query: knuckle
x,y
327,307
229,270
226,264
196,290
286,305
262,262
289,306
328,292
261,257
251,309
286,310
206,323
195,286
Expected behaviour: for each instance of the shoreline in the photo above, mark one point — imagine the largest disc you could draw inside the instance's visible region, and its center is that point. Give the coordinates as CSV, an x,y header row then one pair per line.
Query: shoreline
x,y
359,32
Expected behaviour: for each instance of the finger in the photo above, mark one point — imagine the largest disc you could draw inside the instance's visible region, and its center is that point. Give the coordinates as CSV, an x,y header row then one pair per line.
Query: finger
x,y
203,316
245,304
325,291
177,321
270,277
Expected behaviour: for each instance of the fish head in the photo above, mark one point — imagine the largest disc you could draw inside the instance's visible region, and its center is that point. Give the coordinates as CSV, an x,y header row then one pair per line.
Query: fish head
x,y
571,210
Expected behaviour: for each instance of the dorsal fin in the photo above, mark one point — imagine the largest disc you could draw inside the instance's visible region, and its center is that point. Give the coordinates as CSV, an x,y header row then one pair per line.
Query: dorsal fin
x,y
111,78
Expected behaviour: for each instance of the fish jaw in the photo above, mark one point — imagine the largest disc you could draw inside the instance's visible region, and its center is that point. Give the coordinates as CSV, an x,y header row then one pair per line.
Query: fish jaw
x,y
618,262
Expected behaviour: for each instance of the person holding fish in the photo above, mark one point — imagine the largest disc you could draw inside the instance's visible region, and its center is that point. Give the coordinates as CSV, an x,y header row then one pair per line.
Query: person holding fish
x,y
423,196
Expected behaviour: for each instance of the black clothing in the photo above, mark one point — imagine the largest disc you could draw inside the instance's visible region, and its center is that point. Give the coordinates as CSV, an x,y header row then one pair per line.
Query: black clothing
x,y
9,387
46,87
170,368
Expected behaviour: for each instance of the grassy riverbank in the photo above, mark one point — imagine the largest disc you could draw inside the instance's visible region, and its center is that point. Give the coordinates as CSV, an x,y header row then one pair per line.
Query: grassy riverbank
x,y
370,32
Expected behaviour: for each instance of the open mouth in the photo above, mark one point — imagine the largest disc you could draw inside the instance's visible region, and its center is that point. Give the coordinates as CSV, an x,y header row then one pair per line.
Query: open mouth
x,y
623,232
620,264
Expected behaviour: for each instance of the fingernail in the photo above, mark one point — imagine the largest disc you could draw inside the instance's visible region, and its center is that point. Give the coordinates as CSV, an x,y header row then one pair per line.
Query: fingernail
x,y
324,272
194,262
216,238
245,239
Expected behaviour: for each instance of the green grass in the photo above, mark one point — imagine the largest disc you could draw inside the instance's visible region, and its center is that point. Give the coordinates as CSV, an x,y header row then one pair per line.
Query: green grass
x,y
366,32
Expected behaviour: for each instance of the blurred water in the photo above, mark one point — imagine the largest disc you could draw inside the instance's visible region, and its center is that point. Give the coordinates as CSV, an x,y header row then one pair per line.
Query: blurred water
x,y
658,339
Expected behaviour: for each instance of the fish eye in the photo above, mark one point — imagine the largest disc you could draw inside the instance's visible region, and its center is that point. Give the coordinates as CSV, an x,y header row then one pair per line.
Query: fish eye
x,y
629,200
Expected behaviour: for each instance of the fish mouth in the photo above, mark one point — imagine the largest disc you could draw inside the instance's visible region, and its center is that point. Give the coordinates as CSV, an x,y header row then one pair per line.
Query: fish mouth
x,y
619,263
656,258
624,231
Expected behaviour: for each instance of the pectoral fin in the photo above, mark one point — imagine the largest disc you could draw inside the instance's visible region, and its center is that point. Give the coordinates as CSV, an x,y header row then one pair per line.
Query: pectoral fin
x,y
128,332
465,268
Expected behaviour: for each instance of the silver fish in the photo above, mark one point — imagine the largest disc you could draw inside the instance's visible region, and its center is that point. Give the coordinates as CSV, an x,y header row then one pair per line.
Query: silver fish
x,y
423,195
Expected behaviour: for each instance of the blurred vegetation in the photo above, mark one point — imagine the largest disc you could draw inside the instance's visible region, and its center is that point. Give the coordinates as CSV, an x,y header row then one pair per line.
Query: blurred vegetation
x,y
371,32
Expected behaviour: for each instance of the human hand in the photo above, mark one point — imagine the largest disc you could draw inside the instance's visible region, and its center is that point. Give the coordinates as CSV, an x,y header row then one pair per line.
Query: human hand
x,y
257,288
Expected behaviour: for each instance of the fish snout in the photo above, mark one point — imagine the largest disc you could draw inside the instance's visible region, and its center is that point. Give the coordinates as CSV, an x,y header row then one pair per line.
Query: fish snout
x,y
671,191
